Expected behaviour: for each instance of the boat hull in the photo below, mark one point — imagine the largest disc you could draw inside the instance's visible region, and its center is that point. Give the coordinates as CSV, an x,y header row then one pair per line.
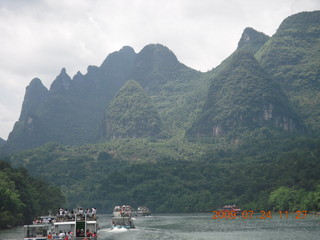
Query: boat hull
x,y
122,222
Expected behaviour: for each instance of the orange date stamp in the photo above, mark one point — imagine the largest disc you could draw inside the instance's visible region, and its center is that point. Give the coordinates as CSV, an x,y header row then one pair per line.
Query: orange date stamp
x,y
258,214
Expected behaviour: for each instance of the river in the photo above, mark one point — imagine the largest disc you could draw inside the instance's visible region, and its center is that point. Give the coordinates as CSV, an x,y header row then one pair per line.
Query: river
x,y
202,226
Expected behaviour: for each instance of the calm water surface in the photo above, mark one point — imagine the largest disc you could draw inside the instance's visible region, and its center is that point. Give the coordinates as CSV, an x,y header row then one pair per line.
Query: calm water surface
x,y
202,226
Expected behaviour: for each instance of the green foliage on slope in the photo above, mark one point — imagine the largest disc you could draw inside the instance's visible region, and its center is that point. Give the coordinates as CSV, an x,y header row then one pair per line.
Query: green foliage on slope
x,y
132,114
175,176
252,40
243,98
292,57
22,197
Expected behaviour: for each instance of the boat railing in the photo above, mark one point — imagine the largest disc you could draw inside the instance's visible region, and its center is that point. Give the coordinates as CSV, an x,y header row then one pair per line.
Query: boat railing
x,y
78,217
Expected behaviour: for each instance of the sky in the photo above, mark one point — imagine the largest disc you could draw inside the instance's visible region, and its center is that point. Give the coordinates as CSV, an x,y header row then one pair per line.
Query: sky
x,y
40,37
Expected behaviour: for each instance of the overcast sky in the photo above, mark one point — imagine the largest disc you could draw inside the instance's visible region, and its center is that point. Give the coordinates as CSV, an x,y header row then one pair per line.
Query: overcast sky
x,y
39,37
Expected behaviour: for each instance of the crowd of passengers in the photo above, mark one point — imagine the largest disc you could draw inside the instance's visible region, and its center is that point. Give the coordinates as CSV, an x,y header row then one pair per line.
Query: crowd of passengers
x,y
69,235
124,211
65,214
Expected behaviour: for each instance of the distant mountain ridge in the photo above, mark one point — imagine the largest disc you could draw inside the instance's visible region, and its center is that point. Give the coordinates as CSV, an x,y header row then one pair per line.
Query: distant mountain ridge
x,y
269,85
73,110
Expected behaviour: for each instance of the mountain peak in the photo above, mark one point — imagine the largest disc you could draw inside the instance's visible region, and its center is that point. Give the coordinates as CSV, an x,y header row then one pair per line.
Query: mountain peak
x,y
301,20
251,40
61,83
158,50
36,82
156,65
119,58
36,94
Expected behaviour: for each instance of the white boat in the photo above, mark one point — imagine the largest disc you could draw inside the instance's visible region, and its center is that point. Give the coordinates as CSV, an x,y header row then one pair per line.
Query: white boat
x,y
40,228
78,224
36,232
122,217
143,211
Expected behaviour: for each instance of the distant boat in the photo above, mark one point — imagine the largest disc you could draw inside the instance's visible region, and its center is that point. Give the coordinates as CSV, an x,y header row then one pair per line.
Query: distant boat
x,y
231,207
122,217
143,211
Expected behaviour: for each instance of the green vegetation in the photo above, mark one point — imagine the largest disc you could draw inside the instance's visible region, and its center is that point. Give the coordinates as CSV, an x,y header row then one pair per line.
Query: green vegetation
x,y
242,98
175,176
292,199
252,40
132,114
22,197
292,58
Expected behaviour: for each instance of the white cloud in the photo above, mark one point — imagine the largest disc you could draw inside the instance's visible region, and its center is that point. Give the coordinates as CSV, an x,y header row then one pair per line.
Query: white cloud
x,y
39,37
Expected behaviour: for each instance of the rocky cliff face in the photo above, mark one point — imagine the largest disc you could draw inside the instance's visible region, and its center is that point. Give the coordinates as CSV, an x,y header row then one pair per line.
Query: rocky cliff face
x,y
35,98
242,98
28,131
61,83
292,58
252,40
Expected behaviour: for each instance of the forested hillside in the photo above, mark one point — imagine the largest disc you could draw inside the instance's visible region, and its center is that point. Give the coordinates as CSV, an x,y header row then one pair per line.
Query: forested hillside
x,y
243,98
132,114
23,197
182,177
292,58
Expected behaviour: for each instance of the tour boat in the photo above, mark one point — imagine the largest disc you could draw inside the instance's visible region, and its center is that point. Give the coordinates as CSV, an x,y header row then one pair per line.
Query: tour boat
x,y
143,211
230,208
122,217
78,224
40,228
36,232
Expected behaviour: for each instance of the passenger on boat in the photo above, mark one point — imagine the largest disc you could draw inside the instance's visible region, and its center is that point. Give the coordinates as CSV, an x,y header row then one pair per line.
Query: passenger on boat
x,y
49,235
66,237
88,233
82,233
62,235
69,234
81,211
